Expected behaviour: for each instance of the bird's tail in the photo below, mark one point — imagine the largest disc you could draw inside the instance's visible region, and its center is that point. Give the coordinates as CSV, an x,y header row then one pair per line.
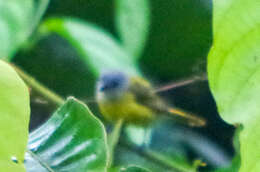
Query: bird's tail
x,y
193,120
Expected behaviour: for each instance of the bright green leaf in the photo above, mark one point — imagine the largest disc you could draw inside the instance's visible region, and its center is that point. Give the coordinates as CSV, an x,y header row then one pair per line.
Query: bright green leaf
x,y
14,119
132,21
97,48
71,140
234,75
15,24
134,169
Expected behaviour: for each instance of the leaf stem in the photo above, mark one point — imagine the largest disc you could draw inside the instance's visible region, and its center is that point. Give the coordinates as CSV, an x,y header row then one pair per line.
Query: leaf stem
x,y
38,87
113,139
46,166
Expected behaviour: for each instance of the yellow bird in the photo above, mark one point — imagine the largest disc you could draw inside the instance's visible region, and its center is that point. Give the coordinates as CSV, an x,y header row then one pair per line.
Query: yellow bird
x,y
134,100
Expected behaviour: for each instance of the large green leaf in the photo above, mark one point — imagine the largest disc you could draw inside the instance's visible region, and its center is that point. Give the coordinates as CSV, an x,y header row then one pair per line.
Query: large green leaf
x,y
97,48
234,75
132,21
71,140
14,119
15,24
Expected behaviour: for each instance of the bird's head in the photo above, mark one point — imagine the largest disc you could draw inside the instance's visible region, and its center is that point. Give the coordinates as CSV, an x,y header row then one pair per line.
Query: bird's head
x,y
112,84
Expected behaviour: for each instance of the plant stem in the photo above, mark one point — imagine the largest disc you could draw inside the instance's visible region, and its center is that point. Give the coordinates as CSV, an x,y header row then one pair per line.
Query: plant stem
x,y
38,87
37,158
113,139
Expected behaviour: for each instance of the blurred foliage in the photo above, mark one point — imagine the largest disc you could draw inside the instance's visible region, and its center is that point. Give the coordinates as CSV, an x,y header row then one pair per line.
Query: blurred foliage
x,y
179,39
132,20
161,40
236,61
14,14
14,121
97,48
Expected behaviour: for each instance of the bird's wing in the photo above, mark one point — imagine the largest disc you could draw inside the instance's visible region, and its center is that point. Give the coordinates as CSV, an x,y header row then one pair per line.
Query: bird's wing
x,y
145,94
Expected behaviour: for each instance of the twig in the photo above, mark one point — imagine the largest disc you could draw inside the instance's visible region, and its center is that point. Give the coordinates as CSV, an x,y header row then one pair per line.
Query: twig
x,y
180,83
38,87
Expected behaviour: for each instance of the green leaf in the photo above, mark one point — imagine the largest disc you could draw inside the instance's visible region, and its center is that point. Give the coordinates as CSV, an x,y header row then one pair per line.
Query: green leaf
x,y
132,22
97,48
134,169
234,75
14,119
71,140
15,25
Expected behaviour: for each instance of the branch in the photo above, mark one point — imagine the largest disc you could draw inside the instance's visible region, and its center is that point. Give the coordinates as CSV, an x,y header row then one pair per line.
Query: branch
x,y
38,87
180,83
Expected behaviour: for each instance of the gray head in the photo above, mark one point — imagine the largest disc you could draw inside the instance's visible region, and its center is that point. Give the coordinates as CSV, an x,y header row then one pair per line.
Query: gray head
x,y
112,84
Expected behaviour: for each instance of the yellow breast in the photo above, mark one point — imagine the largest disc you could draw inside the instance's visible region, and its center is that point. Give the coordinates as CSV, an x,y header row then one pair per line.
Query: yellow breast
x,y
126,108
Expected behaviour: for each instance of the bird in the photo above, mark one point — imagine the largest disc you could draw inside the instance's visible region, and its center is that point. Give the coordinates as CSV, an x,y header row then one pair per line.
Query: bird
x,y
133,99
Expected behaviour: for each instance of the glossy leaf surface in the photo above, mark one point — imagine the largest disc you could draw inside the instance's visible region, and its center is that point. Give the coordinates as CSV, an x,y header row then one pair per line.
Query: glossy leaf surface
x,y
71,140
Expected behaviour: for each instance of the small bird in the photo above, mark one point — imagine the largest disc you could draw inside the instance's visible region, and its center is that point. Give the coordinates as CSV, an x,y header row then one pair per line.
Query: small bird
x,y
134,100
